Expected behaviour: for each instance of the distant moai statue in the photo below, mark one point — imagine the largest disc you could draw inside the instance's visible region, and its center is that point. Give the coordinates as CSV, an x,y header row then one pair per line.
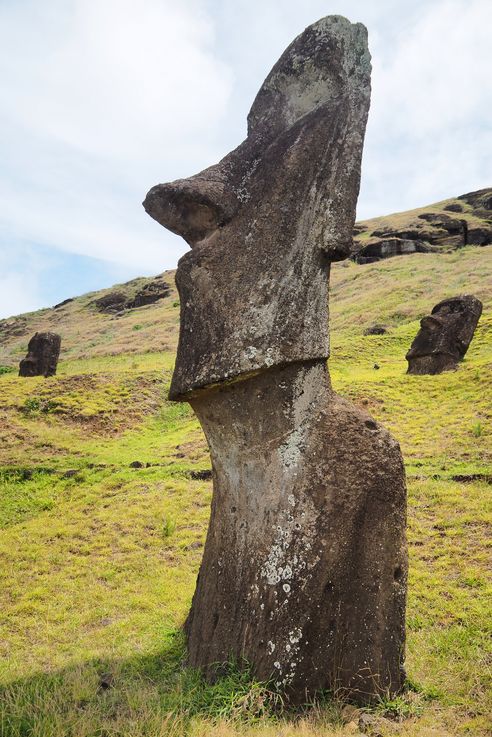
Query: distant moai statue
x,y
444,335
43,352
304,569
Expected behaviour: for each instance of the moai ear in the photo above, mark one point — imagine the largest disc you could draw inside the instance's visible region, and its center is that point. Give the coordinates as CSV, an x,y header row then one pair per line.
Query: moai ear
x,y
192,208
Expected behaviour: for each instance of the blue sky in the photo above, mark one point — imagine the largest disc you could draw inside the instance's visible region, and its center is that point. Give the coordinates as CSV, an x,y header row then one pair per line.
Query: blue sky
x,y
101,99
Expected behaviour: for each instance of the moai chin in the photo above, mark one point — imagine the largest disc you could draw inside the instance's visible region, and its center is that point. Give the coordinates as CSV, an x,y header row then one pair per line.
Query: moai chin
x,y
304,568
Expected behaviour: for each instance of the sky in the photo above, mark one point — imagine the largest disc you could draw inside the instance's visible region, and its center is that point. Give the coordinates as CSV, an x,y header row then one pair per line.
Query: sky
x,y
102,99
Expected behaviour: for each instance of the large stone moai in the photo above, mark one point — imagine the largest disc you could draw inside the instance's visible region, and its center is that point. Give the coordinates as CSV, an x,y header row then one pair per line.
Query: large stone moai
x,y
444,335
43,352
304,568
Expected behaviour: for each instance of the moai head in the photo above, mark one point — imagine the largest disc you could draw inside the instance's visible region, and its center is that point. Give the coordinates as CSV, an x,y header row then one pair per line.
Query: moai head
x,y
43,352
444,335
266,221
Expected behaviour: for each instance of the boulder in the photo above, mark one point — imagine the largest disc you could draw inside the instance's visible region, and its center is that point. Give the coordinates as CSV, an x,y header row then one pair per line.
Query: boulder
x,y
481,199
111,302
444,335
117,302
62,304
449,231
375,330
152,292
480,235
433,228
43,352
387,247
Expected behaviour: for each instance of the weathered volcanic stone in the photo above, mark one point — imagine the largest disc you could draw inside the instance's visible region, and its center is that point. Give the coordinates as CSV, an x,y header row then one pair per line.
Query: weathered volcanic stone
x,y
444,335
436,232
304,568
480,235
43,352
376,329
481,199
453,207
449,231
388,247
152,292
111,302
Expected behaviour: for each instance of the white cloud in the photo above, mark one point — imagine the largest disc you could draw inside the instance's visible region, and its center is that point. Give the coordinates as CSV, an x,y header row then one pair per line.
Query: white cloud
x,y
115,78
439,74
101,99
430,124
18,293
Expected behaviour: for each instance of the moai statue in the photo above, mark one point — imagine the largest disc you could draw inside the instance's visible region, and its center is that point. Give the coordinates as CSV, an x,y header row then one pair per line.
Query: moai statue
x,y
304,568
444,335
43,352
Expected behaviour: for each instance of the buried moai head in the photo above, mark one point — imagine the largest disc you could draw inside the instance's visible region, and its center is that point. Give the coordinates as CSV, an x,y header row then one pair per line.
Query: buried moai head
x,y
265,222
43,351
444,335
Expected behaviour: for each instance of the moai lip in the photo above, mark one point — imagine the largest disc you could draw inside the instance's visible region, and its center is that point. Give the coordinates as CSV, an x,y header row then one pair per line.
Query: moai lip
x,y
304,568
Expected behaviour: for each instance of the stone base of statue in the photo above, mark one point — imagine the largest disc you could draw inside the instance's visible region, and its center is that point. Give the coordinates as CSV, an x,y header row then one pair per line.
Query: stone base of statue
x,y
304,570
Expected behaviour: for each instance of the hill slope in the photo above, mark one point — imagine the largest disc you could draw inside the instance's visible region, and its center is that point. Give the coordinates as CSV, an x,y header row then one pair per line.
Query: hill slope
x,y
442,227
104,502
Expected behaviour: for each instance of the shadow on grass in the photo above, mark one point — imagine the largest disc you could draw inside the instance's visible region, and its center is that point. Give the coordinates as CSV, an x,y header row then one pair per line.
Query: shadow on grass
x,y
147,695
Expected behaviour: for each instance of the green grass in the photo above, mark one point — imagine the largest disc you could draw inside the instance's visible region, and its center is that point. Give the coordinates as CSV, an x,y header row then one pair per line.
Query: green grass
x,y
98,559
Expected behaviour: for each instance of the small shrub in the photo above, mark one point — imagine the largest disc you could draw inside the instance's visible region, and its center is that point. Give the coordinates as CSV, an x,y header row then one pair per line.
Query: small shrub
x,y
32,404
477,430
472,582
137,327
176,304
168,527
6,370
401,707
48,406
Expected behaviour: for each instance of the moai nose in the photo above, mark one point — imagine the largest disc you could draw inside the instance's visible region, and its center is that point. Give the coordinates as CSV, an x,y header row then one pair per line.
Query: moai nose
x,y
192,208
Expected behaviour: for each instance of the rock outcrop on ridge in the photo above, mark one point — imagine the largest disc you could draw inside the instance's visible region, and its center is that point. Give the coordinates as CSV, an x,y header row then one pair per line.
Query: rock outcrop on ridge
x,y
118,301
445,226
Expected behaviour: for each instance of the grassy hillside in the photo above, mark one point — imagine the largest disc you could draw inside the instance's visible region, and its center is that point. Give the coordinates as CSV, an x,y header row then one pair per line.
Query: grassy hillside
x,y
104,503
